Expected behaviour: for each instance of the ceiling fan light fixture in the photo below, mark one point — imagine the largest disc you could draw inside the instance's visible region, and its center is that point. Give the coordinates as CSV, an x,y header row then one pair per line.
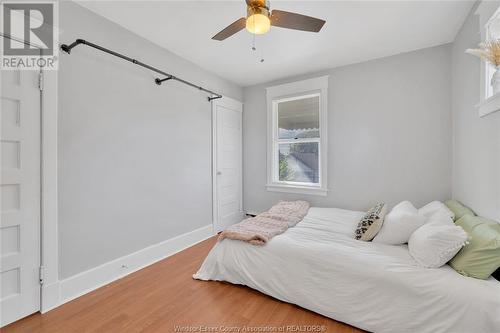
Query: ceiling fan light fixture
x,y
258,21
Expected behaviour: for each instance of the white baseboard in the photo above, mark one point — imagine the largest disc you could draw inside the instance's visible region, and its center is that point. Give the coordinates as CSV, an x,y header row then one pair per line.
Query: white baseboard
x,y
85,282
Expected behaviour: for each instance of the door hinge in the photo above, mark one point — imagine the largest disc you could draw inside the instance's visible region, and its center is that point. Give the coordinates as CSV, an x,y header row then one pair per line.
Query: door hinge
x,y
40,81
41,274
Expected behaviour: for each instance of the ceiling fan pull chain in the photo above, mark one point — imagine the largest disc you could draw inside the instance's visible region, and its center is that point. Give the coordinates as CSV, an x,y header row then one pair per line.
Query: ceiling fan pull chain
x,y
254,44
253,40
262,55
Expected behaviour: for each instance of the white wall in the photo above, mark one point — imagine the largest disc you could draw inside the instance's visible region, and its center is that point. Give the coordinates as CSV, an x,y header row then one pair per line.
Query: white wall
x,y
134,157
389,131
476,141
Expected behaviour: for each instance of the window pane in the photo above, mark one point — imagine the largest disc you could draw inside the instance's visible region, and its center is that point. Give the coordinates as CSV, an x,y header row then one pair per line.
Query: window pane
x,y
298,162
299,118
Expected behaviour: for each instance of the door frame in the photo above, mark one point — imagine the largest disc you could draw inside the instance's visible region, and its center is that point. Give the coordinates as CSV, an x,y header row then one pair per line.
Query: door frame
x,y
238,106
49,236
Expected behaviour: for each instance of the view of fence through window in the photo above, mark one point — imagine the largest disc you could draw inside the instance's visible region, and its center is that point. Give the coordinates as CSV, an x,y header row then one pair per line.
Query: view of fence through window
x,y
298,140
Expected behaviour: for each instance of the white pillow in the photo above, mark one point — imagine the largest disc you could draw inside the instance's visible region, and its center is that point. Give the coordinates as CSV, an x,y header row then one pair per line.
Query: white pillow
x,y
433,207
440,217
405,206
433,245
399,224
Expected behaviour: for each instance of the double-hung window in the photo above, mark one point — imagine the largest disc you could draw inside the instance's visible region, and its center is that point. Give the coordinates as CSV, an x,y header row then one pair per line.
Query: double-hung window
x,y
297,137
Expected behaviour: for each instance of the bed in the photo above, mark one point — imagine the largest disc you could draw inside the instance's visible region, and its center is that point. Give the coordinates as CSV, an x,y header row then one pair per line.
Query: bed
x,y
319,266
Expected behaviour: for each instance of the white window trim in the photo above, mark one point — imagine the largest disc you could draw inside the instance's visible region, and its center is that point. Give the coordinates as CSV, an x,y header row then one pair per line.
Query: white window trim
x,y
487,104
319,86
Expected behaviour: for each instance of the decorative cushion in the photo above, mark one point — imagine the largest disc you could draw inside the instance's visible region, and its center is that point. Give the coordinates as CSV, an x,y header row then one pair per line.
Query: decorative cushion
x,y
371,222
458,209
481,256
399,224
433,244
433,207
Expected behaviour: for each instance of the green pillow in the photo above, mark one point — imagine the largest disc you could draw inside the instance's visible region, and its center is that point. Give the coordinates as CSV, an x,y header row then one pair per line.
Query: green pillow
x,y
458,209
481,256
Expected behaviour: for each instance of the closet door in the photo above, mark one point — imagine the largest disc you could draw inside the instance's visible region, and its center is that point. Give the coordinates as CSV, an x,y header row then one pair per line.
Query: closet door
x,y
227,162
20,195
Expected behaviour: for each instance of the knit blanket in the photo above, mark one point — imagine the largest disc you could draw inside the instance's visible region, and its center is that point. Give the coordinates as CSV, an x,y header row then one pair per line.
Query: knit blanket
x,y
260,229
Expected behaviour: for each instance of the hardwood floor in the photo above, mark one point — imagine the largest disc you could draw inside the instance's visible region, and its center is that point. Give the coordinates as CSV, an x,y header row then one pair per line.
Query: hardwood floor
x,y
163,296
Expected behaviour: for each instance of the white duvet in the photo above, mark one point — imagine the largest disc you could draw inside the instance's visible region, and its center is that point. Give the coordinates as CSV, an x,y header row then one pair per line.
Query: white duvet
x,y
319,266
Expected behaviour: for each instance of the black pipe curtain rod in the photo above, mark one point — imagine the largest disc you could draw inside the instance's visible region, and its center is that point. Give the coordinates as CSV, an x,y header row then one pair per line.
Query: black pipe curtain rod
x,y
67,48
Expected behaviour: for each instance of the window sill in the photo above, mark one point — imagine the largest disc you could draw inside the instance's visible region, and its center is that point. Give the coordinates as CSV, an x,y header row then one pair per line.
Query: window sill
x,y
297,189
490,105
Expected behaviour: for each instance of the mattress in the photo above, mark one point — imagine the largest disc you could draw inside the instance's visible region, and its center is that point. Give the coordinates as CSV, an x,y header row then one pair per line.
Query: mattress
x,y
380,288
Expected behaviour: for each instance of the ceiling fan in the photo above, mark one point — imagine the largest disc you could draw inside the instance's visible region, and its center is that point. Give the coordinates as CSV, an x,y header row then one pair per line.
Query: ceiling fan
x,y
259,20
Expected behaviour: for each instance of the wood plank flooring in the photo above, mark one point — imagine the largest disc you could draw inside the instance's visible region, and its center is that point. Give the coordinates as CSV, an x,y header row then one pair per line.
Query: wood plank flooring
x,y
164,298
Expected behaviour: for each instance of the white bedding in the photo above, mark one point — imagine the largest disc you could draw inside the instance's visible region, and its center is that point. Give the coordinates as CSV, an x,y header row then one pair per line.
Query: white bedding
x,y
318,265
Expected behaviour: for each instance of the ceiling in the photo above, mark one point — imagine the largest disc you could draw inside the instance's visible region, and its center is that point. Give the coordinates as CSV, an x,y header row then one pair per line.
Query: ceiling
x,y
355,31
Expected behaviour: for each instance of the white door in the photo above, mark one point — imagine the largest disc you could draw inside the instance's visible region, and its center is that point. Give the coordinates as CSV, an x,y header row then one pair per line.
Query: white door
x,y
227,162
20,195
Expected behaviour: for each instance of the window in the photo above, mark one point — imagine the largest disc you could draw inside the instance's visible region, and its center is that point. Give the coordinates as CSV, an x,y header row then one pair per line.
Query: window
x,y
489,20
297,137
492,31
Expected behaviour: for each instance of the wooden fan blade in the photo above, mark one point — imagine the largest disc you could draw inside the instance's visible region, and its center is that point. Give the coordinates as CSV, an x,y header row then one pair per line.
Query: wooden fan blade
x,y
282,19
231,29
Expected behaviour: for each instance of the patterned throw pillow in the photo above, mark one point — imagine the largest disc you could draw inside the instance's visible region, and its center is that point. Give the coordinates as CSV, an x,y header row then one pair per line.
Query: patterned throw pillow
x,y
370,224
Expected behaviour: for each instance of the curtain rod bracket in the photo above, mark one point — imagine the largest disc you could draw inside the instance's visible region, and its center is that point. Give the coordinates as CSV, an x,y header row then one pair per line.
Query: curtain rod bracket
x,y
159,81
67,48
212,98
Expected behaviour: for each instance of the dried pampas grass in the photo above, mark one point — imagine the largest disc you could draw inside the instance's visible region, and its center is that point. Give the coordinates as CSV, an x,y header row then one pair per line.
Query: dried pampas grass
x,y
488,51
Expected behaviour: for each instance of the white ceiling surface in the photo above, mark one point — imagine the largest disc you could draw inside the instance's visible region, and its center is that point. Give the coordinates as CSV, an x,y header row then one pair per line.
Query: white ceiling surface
x,y
355,31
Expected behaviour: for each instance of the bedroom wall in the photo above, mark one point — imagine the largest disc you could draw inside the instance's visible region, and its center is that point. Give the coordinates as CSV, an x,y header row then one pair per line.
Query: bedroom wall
x,y
476,141
389,131
134,157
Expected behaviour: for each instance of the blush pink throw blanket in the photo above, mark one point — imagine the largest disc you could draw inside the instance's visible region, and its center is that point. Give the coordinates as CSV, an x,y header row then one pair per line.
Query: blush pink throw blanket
x,y
260,229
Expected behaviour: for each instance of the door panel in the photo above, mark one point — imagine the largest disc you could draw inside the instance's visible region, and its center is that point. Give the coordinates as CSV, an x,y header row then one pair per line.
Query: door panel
x,y
20,195
227,163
